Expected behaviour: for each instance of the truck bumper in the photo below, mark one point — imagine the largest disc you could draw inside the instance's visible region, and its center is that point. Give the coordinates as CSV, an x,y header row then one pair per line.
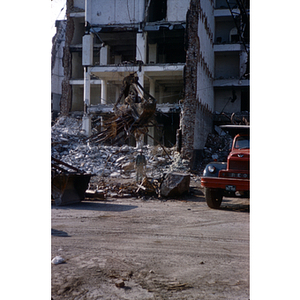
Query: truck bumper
x,y
229,184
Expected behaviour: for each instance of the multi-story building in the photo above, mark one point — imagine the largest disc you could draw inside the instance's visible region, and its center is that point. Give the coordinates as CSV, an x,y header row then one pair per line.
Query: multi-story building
x,y
188,54
231,47
57,70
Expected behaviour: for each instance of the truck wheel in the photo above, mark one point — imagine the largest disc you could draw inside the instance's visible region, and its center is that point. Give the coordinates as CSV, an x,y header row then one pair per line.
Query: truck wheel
x,y
213,197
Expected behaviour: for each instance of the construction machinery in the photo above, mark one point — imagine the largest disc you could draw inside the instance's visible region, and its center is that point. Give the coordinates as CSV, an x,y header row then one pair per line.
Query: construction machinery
x,y
68,184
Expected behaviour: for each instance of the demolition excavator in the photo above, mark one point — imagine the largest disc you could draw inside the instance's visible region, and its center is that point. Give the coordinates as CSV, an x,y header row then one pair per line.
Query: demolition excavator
x,y
133,113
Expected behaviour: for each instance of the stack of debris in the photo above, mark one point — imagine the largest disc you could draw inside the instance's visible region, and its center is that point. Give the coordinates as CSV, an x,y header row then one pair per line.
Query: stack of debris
x,y
66,129
112,161
113,166
69,145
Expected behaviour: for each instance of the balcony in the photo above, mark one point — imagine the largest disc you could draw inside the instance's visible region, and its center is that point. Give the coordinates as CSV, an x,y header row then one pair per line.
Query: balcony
x,y
227,47
229,82
225,12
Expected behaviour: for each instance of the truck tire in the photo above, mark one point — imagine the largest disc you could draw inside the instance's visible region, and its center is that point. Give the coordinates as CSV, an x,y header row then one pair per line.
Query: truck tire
x,y
213,197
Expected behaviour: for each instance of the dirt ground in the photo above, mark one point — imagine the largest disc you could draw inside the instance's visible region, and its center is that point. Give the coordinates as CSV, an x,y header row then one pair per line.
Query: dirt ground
x,y
148,248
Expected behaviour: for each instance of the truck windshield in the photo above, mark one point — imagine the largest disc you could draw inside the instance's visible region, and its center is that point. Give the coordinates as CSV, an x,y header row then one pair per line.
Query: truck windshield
x,y
242,142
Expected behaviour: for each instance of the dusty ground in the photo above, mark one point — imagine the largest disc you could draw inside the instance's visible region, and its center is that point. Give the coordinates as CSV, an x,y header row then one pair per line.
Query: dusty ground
x,y
174,249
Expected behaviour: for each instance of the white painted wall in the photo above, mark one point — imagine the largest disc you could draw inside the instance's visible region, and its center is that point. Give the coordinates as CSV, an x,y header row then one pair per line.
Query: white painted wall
x,y
205,90
141,41
127,11
58,71
176,10
116,11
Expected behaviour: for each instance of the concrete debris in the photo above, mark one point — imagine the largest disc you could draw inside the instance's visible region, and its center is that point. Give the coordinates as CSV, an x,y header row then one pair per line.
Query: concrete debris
x,y
117,188
94,194
117,163
57,260
66,129
120,283
175,184
148,187
70,146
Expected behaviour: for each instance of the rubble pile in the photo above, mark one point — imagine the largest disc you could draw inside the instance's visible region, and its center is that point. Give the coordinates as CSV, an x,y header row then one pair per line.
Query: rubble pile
x,y
116,164
66,129
71,146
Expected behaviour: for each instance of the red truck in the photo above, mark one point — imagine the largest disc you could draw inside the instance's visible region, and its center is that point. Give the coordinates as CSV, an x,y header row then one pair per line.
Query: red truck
x,y
231,178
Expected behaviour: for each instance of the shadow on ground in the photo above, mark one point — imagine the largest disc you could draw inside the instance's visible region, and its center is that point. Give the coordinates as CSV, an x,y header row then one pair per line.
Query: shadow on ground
x,y
61,233
243,205
88,205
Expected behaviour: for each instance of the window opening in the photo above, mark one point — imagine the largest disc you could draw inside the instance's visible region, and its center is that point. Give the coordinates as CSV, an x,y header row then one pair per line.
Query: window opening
x,y
157,10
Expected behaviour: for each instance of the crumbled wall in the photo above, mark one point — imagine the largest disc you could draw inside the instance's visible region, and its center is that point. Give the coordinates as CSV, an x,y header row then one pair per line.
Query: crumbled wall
x,y
66,99
116,11
176,10
198,105
190,81
57,71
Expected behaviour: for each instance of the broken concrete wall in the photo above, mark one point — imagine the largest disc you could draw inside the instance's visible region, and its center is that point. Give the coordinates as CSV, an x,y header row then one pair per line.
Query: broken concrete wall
x,y
175,184
176,10
198,105
57,71
205,75
116,11
188,113
66,98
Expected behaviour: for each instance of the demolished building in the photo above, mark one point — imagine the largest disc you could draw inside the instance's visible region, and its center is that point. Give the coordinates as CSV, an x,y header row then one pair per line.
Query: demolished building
x,y
57,70
191,56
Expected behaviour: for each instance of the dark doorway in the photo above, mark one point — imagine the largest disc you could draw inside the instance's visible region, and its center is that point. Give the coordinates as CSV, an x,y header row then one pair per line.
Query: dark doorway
x,y
245,100
168,125
157,10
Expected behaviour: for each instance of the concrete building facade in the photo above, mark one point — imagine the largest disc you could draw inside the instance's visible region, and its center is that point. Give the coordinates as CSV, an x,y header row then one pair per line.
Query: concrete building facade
x,y
188,54
231,48
57,70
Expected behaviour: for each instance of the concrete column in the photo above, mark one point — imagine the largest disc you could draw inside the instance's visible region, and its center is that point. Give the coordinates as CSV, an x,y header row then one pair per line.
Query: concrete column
x,y
152,87
86,120
152,56
103,91
118,91
141,43
161,94
105,55
87,86
88,11
87,61
87,49
151,129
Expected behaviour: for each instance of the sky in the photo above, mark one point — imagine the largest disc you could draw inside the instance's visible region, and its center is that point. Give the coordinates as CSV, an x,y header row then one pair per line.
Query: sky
x,y
58,12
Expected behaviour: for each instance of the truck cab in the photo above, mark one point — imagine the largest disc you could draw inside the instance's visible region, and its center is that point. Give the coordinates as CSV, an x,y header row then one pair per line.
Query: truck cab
x,y
230,178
